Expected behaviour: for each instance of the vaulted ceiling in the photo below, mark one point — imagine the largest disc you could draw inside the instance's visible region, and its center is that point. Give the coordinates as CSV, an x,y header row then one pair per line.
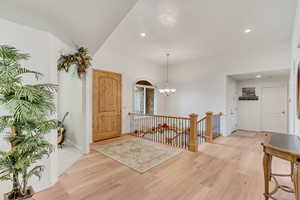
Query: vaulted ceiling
x,y
188,29
200,28
76,22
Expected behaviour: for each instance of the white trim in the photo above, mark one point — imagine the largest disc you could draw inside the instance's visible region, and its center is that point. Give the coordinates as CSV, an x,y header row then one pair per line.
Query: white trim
x,y
145,86
69,142
145,96
89,105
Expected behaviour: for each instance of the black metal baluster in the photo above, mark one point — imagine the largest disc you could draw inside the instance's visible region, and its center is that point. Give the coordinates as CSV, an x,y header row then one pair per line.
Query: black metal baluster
x,y
137,126
182,136
200,132
190,131
159,123
187,135
131,124
171,131
165,130
151,127
168,125
142,121
157,129
174,134
144,126
219,124
178,128
185,132
140,126
155,126
177,131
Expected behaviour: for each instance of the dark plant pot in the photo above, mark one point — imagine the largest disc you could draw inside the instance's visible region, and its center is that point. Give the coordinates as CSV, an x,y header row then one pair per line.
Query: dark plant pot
x,y
28,196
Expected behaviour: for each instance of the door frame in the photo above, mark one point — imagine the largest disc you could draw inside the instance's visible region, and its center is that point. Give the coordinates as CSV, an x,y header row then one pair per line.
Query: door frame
x,y
93,102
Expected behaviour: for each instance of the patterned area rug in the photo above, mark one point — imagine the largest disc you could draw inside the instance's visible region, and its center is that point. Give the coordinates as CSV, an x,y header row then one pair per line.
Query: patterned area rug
x,y
140,155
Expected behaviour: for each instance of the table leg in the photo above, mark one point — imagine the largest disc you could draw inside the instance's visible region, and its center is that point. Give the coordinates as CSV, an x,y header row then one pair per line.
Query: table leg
x,y
296,180
267,173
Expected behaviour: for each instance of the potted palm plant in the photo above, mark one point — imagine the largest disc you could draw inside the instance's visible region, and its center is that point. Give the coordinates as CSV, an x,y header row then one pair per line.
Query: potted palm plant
x,y
27,108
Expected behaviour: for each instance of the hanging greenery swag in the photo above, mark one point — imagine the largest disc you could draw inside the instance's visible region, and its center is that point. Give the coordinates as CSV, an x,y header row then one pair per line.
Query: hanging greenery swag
x,y
81,59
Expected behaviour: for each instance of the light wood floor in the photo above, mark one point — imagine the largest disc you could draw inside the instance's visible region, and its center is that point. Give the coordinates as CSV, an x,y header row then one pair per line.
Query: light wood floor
x,y
229,169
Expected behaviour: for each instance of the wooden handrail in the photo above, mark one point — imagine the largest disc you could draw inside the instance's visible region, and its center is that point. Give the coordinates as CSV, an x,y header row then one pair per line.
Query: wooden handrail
x,y
218,114
199,121
147,115
204,118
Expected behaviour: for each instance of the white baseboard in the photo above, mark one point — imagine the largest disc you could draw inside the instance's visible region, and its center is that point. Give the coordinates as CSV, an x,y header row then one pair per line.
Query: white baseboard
x,y
248,130
71,143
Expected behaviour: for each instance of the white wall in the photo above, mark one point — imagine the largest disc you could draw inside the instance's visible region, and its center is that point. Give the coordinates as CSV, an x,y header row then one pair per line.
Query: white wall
x,y
231,105
45,49
37,44
295,123
201,84
74,94
70,99
132,69
249,112
113,56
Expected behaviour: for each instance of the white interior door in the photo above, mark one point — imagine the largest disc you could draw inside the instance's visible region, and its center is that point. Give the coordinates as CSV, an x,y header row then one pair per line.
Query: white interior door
x,y
274,109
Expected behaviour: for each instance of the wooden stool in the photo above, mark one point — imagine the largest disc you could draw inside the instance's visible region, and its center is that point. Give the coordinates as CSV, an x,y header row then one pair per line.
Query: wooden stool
x,y
286,147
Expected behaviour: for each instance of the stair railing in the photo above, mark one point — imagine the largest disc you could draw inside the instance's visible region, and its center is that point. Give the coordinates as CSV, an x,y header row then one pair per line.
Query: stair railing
x,y
181,132
204,127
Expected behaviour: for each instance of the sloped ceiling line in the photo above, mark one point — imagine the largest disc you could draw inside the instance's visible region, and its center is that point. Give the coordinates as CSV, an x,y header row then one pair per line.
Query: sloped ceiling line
x,y
75,22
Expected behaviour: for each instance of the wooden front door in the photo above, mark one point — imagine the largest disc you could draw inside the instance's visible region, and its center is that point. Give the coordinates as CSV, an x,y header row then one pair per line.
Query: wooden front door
x,y
106,105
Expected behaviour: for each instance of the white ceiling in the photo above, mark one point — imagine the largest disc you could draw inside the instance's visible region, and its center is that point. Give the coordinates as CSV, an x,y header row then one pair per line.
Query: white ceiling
x,y
188,29
264,75
76,22
197,28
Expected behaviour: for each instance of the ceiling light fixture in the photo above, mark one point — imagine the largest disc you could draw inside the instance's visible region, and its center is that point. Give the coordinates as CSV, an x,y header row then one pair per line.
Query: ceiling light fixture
x,y
143,34
248,30
167,90
258,76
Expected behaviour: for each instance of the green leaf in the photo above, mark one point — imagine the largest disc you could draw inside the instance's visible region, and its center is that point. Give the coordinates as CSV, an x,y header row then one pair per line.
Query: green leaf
x,y
28,109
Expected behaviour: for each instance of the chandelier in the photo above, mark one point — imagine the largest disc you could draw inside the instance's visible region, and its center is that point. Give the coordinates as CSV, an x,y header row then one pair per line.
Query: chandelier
x,y
167,90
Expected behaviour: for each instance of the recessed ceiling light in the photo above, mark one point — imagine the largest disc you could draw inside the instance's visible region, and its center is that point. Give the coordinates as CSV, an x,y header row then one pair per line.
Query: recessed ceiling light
x,y
258,76
248,30
143,34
